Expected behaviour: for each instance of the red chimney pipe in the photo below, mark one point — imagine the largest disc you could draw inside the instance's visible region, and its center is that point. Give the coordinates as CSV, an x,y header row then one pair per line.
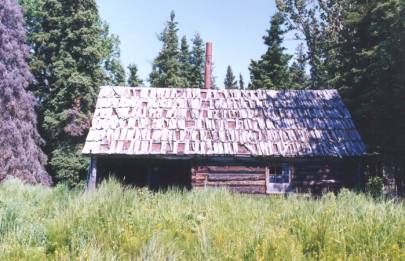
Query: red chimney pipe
x,y
208,66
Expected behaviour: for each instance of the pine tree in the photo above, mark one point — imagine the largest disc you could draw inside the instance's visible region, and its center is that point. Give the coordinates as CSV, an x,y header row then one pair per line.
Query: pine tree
x,y
271,71
185,62
241,82
299,78
67,55
133,79
197,62
230,81
113,68
20,153
166,66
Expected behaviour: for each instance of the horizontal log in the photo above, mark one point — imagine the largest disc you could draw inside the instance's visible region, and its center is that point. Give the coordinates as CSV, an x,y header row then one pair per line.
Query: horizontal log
x,y
234,169
237,183
232,176
196,178
240,189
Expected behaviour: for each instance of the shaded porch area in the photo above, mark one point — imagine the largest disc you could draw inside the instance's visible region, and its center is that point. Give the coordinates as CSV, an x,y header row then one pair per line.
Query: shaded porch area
x,y
155,174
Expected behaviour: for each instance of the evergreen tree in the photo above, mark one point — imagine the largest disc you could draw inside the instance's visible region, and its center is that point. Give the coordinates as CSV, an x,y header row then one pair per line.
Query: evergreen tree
x,y
166,66
67,54
358,47
271,71
313,21
197,62
230,81
32,18
241,82
112,65
133,79
185,62
371,55
299,78
20,153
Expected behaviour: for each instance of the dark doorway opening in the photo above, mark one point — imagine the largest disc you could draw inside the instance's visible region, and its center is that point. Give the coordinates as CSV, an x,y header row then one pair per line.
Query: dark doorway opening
x,y
154,174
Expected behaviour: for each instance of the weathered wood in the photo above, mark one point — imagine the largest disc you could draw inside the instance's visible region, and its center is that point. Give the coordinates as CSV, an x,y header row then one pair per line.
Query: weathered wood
x,y
317,177
233,169
239,189
237,183
232,176
246,179
92,174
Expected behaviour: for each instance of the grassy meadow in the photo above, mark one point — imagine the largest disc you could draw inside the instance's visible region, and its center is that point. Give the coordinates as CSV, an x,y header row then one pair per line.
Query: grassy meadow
x,y
115,223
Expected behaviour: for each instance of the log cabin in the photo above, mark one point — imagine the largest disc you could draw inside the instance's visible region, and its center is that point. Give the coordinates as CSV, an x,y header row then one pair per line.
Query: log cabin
x,y
251,141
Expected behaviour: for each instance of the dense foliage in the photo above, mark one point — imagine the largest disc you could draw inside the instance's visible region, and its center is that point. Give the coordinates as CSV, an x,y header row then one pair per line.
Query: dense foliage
x,y
358,47
370,72
116,223
68,47
20,152
174,67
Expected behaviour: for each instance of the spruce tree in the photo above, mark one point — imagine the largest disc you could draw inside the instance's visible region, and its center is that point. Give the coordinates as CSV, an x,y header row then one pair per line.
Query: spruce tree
x,y
133,79
185,62
299,78
66,62
241,82
197,62
166,66
271,70
230,81
20,153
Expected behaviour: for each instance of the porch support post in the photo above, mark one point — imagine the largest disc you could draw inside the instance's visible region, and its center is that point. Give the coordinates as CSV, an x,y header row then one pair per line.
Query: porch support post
x,y
267,173
92,174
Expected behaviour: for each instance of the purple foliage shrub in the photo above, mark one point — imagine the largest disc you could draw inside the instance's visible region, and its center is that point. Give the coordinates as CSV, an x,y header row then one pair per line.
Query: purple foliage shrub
x,y
20,152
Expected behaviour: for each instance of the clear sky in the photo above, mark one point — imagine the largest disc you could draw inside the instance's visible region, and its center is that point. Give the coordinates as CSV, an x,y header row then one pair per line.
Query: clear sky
x,y
235,27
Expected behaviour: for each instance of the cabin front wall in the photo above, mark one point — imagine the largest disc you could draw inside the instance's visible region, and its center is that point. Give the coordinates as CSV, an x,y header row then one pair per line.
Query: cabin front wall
x,y
305,176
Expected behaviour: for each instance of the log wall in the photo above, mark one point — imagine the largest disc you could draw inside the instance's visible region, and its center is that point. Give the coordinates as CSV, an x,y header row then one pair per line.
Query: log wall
x,y
235,178
307,176
320,177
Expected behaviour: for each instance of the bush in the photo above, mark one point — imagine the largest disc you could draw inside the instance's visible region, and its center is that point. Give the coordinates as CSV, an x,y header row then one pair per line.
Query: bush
x,y
115,222
375,187
68,166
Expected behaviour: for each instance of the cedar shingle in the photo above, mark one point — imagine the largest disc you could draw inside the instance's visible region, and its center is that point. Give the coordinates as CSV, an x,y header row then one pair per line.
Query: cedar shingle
x,y
173,121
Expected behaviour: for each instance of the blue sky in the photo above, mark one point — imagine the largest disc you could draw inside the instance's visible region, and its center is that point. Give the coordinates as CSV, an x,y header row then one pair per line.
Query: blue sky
x,y
235,27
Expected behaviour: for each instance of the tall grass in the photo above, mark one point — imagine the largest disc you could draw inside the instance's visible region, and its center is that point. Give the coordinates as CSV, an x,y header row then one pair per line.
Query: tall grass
x,y
115,222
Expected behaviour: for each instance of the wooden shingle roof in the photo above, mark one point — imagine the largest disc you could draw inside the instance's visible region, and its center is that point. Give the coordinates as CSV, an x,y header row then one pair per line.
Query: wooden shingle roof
x,y
256,123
